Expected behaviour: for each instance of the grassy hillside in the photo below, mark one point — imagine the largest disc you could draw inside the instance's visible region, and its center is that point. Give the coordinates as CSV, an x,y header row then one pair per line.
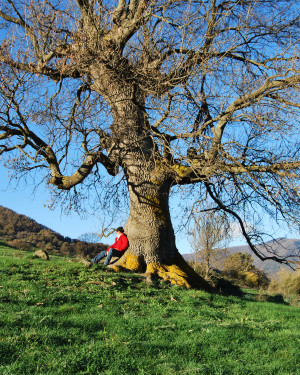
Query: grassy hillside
x,y
58,317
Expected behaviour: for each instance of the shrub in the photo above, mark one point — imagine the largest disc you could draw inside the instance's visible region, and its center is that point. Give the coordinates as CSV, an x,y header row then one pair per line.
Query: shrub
x,y
238,262
256,278
19,244
239,268
251,279
286,283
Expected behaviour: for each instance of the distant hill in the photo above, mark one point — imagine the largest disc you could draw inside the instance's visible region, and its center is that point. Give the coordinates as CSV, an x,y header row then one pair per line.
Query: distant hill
x,y
22,232
280,246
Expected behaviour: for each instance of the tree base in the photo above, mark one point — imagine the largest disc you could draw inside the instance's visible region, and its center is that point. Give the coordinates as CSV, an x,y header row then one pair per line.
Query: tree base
x,y
177,273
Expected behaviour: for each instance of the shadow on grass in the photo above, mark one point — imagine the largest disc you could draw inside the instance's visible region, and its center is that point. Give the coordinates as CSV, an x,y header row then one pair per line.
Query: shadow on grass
x,y
256,296
226,287
4,244
221,286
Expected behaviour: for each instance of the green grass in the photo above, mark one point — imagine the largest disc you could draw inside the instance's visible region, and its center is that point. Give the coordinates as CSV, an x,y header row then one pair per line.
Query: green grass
x,y
58,317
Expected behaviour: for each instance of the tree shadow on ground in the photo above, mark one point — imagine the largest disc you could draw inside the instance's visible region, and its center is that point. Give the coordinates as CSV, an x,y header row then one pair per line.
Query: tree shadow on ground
x,y
226,287
4,244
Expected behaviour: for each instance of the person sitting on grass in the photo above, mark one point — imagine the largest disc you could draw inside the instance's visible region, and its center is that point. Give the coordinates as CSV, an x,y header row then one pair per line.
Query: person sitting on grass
x,y
116,250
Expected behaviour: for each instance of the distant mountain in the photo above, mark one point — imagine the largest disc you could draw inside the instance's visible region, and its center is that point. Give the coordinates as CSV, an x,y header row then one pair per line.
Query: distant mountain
x,y
22,232
280,246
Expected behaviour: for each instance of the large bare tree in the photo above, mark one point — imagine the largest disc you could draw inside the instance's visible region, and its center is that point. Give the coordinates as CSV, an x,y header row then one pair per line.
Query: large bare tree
x,y
159,94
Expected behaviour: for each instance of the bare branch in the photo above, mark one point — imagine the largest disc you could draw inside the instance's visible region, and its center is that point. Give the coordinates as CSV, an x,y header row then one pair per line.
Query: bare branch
x,y
215,198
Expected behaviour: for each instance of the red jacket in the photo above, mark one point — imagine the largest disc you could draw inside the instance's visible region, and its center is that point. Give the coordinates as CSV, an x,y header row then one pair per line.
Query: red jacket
x,y
121,243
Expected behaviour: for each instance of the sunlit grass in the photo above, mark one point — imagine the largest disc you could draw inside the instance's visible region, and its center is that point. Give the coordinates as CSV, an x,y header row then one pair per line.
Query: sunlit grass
x,y
58,317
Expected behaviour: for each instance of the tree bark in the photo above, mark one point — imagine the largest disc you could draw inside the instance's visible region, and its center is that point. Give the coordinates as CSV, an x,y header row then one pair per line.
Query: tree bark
x,y
149,224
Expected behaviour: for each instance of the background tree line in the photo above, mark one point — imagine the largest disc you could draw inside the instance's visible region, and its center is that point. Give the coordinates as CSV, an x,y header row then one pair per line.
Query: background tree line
x,y
24,233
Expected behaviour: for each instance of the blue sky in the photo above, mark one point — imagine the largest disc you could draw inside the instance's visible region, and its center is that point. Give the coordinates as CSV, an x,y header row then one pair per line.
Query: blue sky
x,y
24,201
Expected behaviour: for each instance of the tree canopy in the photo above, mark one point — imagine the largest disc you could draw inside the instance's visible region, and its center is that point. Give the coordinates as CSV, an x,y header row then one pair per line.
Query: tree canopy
x,y
159,94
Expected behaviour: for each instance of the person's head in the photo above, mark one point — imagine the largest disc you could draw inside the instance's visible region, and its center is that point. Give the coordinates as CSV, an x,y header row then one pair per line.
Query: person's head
x,y
120,230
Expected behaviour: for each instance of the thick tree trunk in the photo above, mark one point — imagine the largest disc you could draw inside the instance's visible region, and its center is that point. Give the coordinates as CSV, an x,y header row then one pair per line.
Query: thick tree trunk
x,y
152,247
149,224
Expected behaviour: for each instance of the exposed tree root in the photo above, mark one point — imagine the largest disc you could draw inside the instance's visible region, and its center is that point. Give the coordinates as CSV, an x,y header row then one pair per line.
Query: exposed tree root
x,y
177,273
129,262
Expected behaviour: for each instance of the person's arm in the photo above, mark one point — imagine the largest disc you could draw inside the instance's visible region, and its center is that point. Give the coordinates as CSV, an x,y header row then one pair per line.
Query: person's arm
x,y
113,246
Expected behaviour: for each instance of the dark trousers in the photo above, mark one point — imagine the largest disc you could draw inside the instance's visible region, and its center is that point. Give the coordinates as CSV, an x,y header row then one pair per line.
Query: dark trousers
x,y
109,255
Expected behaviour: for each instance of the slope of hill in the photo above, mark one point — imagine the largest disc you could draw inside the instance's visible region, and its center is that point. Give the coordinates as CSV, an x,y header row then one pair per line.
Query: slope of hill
x,y
280,246
23,232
